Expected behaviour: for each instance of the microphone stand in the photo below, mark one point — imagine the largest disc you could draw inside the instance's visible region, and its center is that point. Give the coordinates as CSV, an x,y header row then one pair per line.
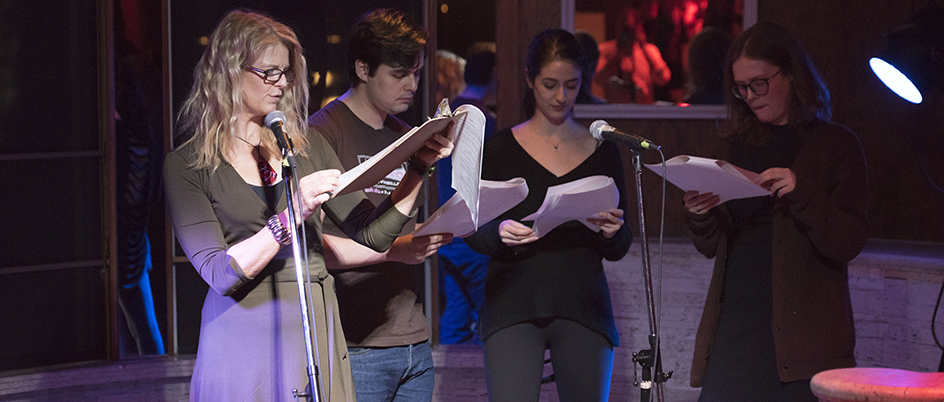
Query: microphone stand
x,y
647,358
314,388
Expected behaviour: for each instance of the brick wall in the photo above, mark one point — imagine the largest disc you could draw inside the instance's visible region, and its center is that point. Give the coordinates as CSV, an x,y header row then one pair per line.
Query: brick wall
x,y
894,289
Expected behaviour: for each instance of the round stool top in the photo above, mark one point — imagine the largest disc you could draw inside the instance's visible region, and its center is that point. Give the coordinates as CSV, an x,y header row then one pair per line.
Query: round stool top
x,y
877,385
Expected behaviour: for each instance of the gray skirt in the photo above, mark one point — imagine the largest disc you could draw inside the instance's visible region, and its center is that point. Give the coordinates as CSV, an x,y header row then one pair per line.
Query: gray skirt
x,y
252,346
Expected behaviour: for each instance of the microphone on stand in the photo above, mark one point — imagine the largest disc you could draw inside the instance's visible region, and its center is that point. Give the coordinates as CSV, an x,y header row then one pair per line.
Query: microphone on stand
x,y
648,359
274,121
601,130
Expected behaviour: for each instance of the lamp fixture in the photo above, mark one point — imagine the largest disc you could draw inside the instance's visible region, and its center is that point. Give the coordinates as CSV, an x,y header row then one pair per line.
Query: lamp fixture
x,y
913,61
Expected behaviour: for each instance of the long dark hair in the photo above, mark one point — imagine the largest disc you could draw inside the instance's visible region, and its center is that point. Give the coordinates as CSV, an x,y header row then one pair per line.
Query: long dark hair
x,y
548,46
809,96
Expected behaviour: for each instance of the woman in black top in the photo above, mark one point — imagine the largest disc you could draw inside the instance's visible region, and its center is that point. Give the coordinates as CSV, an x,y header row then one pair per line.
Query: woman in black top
x,y
550,293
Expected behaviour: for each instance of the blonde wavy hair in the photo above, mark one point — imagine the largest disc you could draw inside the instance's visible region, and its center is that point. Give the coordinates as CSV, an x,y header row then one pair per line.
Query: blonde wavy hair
x,y
450,69
208,113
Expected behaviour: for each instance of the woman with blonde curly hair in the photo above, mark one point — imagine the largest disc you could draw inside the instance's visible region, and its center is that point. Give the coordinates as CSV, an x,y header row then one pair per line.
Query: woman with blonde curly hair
x,y
229,213
449,75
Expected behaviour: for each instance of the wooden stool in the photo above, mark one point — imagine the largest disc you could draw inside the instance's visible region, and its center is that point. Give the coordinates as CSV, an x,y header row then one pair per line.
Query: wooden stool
x,y
877,385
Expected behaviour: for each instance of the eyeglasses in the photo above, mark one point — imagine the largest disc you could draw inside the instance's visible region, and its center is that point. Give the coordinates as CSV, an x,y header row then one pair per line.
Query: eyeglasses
x,y
273,75
758,86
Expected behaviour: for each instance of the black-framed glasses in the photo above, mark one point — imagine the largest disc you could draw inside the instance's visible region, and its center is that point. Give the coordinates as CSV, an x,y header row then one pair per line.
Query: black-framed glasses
x,y
758,86
273,75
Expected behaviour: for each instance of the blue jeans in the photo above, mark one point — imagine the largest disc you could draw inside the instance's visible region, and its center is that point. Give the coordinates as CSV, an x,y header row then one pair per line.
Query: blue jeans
x,y
464,287
401,373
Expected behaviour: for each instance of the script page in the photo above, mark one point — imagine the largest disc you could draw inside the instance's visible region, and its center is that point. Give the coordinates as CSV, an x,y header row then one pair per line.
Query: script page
x,y
469,134
578,200
495,198
705,175
452,217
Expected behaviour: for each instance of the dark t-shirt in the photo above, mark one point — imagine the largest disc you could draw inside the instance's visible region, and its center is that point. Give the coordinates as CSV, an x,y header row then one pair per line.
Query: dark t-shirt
x,y
378,303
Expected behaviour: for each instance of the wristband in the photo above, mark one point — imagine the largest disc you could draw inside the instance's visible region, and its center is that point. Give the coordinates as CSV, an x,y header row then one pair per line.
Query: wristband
x,y
414,165
282,235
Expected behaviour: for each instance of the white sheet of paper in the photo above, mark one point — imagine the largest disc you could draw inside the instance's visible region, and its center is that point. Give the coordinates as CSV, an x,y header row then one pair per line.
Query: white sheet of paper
x,y
705,175
468,134
495,198
460,215
577,200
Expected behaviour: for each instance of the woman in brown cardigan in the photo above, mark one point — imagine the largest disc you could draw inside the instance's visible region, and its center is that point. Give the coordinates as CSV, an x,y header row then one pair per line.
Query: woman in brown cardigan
x,y
778,309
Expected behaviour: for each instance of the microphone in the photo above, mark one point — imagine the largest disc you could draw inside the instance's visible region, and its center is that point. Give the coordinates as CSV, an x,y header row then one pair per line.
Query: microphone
x,y
274,121
601,130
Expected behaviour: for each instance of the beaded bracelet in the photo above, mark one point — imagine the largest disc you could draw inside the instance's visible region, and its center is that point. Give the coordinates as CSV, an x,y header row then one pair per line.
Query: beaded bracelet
x,y
283,236
421,170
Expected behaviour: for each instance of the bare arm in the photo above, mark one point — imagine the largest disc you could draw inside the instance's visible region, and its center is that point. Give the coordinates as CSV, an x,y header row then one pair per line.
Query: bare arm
x,y
660,70
342,253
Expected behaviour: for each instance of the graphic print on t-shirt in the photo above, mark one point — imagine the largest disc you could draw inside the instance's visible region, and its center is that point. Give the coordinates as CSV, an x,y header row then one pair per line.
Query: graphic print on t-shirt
x,y
387,184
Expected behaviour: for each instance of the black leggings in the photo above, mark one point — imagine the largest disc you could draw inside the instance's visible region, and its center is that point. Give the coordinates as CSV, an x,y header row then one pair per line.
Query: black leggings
x,y
514,362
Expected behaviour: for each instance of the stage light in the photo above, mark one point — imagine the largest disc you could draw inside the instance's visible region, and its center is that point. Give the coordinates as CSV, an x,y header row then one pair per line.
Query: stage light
x,y
895,80
913,62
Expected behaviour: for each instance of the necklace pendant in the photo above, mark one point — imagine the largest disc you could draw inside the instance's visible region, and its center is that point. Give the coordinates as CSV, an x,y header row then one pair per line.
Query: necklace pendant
x,y
267,173
555,148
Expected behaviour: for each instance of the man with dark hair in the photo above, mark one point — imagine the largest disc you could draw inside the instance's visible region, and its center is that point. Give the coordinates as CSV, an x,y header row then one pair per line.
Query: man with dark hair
x,y
462,271
386,332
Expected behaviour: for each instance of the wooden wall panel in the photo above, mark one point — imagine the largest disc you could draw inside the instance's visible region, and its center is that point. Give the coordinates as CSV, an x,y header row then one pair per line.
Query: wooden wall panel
x,y
841,36
517,21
